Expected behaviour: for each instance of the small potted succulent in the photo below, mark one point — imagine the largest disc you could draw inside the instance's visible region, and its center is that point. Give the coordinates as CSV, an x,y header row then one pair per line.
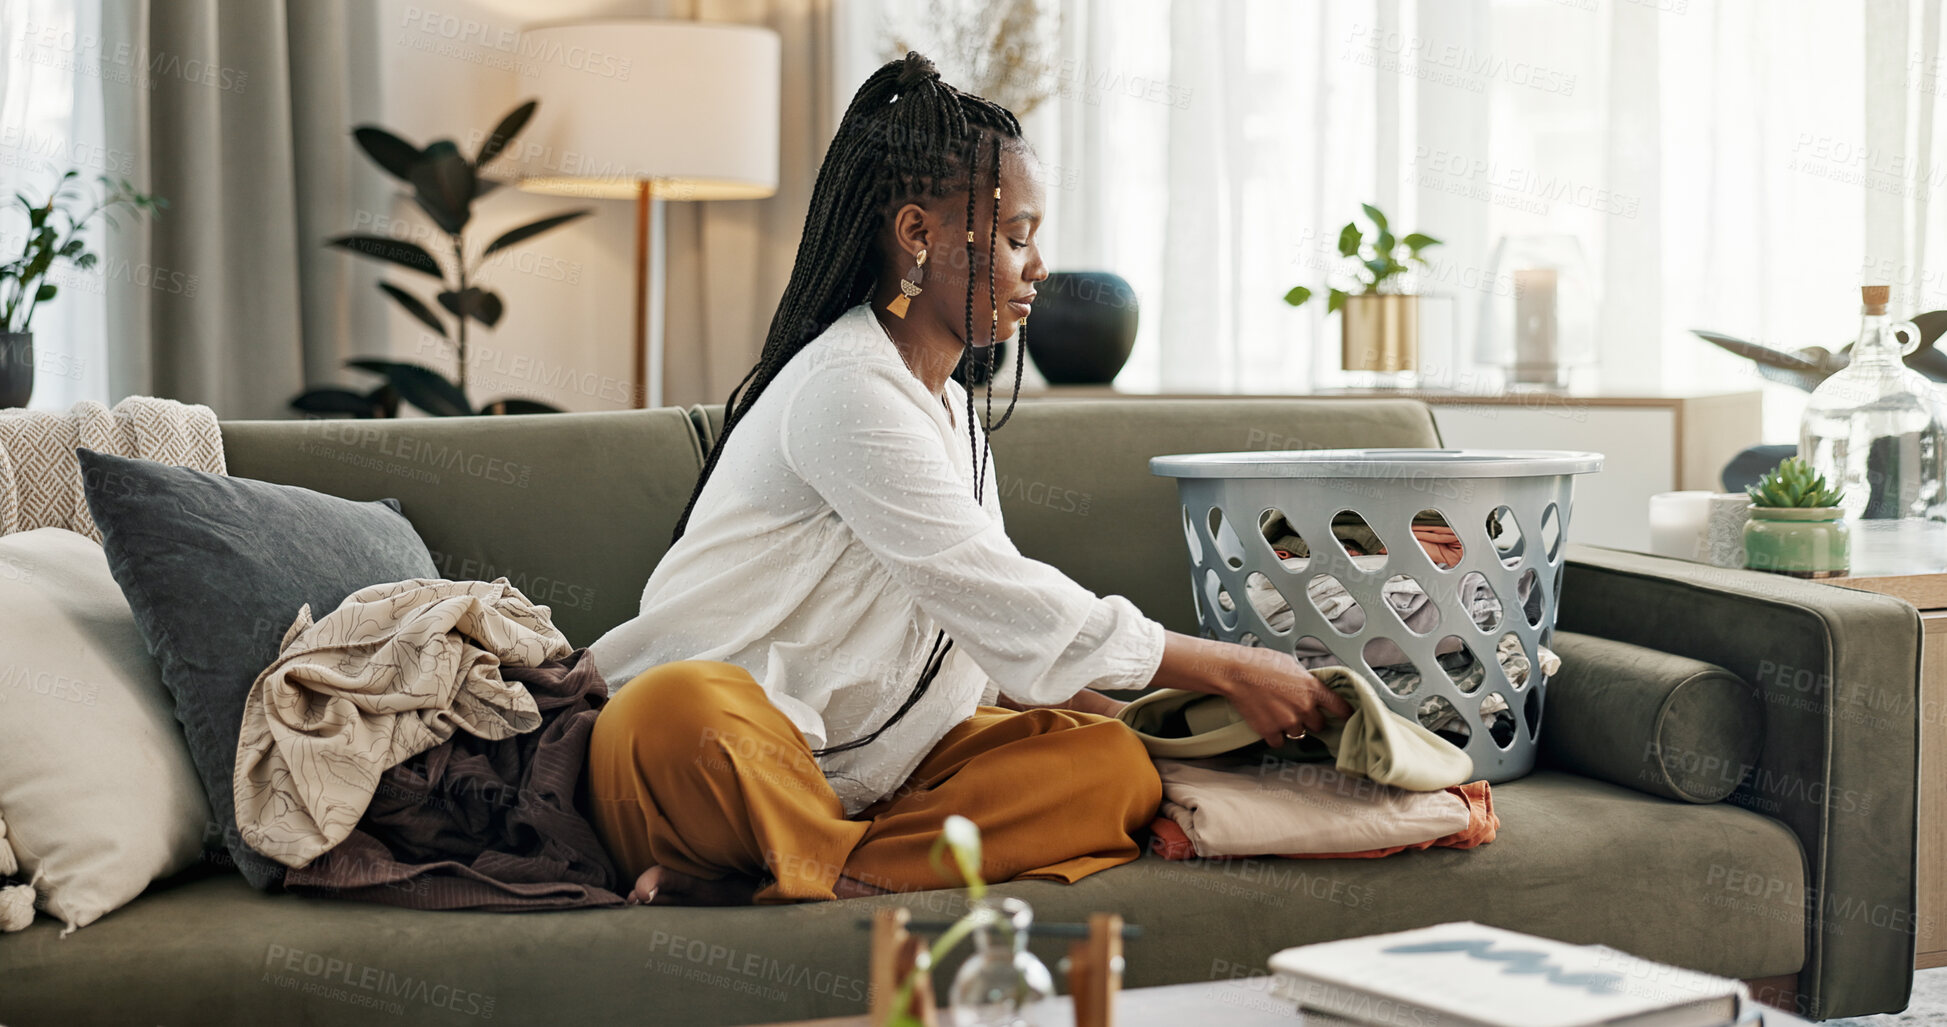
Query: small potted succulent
x,y
1382,322
1797,526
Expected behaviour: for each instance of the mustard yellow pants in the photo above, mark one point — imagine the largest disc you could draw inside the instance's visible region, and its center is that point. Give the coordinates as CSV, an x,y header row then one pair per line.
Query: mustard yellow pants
x,y
691,767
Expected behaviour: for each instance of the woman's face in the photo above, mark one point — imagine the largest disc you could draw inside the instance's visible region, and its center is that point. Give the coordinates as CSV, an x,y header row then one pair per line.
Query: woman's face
x,y
1016,264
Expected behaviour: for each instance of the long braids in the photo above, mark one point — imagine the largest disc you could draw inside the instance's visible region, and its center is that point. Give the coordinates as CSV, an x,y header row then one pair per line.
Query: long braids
x,y
903,136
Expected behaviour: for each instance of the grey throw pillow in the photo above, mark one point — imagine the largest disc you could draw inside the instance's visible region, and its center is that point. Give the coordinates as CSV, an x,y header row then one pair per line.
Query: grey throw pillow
x,y
215,569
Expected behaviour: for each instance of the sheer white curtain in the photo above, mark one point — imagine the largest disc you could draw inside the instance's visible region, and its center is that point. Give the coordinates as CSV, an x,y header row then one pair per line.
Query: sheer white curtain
x,y
1741,165
50,121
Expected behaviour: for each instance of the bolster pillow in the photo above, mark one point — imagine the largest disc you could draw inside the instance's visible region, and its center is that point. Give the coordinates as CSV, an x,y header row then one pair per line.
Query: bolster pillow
x,y
1649,720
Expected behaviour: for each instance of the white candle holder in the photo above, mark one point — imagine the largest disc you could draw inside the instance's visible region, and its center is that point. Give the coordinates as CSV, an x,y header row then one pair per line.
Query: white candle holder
x,y
1537,319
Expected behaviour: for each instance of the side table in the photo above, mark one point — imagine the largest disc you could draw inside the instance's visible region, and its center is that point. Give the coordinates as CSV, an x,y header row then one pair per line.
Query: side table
x,y
1928,594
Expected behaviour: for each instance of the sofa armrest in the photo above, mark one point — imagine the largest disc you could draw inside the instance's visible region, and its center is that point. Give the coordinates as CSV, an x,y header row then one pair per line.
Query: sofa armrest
x,y
1839,672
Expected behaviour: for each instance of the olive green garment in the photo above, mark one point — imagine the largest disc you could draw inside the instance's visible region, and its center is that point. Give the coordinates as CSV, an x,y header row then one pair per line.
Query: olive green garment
x,y
1374,742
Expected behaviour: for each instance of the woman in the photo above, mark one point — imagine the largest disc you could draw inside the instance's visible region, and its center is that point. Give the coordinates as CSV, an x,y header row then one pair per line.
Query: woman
x,y
813,676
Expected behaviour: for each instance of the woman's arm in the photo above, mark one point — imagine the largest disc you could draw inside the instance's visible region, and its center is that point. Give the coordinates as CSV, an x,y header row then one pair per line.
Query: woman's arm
x,y
1274,694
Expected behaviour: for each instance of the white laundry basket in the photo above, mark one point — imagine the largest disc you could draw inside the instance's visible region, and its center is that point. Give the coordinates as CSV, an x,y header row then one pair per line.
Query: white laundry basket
x,y
1455,647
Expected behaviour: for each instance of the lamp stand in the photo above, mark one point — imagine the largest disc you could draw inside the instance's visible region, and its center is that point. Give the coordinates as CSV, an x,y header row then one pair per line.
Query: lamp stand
x,y
640,350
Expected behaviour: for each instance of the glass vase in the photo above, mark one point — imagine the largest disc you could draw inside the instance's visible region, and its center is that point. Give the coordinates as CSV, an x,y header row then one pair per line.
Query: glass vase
x,y
1002,984
1874,430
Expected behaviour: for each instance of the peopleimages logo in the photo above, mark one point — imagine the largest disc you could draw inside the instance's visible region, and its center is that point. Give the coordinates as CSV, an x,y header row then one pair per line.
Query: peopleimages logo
x,y
360,984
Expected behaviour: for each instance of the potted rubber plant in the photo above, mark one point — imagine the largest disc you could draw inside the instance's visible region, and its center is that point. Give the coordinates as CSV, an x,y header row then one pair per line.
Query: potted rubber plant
x,y
1797,524
1381,332
53,236
445,183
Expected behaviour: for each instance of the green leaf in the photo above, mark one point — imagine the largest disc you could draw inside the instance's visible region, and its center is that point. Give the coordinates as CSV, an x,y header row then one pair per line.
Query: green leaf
x,y
423,387
1297,296
1349,239
1336,301
45,292
388,151
1417,242
515,405
532,229
442,183
476,303
416,307
1385,243
1378,219
1381,268
504,133
398,251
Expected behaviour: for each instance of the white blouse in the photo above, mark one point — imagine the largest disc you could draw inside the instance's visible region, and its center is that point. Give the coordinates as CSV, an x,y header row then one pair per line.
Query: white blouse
x,y
836,534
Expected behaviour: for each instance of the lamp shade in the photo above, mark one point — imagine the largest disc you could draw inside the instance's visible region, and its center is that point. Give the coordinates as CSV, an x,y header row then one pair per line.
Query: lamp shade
x,y
691,108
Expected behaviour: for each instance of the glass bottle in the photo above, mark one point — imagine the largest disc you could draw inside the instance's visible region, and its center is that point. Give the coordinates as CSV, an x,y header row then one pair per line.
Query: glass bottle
x,y
1874,429
1002,984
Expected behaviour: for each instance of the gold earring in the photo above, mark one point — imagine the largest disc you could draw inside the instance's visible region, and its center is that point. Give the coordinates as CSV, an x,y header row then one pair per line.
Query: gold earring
x,y
908,288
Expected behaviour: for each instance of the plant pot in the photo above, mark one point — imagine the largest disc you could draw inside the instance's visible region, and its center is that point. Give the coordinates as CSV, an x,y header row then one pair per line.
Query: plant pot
x,y
1084,326
1381,333
16,368
1803,542
979,359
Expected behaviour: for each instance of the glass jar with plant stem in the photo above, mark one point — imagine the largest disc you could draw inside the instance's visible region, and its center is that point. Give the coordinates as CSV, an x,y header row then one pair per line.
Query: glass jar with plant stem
x,y
1874,431
1002,984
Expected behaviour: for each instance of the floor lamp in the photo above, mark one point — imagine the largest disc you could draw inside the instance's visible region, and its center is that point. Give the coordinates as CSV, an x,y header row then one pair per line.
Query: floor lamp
x,y
654,111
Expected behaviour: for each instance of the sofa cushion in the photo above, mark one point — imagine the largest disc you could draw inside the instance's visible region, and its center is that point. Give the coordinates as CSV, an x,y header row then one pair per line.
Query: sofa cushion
x,y
216,569
1644,719
96,786
1715,887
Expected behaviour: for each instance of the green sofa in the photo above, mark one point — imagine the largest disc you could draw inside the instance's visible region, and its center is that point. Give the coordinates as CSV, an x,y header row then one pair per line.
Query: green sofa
x,y
1806,872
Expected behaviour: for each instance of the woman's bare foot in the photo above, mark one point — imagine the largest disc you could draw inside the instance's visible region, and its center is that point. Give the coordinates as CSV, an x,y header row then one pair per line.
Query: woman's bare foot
x,y
661,886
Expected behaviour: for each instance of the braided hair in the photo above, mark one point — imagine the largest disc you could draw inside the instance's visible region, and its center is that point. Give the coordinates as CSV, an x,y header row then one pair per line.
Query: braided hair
x,y
906,135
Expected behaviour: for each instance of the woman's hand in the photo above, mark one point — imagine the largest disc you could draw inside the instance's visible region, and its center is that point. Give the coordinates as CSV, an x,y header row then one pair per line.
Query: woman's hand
x,y
1276,696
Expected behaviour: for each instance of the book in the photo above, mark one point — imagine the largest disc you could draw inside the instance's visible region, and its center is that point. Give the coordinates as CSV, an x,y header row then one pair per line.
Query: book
x,y
1472,975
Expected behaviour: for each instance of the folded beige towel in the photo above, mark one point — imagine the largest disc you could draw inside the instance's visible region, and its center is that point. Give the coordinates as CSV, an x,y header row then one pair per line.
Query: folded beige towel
x,y
1245,806
1374,742
40,480
392,672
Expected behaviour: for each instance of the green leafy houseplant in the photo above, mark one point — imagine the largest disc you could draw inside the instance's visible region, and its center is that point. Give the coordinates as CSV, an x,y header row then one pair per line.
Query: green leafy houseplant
x,y
54,234
445,185
1377,259
1793,484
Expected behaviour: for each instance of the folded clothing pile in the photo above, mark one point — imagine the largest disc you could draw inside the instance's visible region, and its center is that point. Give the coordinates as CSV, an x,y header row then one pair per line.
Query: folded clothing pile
x,y
1265,806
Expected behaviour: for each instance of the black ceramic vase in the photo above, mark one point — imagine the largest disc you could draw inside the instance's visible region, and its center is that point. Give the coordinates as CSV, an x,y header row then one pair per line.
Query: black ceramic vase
x,y
1082,328
979,358
16,368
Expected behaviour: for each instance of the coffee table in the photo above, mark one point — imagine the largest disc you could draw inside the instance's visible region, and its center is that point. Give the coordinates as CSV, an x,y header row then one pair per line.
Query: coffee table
x,y
1238,1002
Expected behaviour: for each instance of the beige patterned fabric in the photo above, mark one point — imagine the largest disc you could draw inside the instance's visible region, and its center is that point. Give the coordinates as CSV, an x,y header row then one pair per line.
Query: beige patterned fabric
x,y
392,672
40,480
